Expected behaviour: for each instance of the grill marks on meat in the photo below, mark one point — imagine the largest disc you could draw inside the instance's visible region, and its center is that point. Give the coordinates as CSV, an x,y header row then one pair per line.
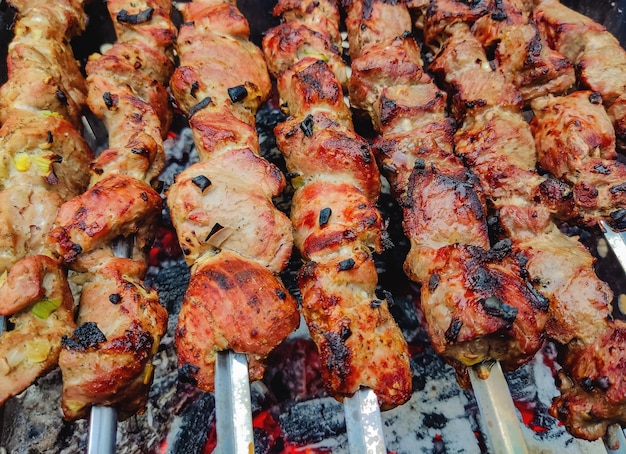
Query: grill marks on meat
x,y
477,305
337,225
40,149
575,141
598,56
233,237
582,153
113,367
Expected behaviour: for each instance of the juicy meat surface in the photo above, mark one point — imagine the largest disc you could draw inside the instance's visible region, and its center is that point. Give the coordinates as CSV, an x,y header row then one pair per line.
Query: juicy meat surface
x,y
231,303
583,153
106,360
229,213
116,206
37,298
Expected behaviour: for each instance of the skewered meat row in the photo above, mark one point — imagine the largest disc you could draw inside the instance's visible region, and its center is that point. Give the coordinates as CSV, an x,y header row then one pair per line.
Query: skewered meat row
x,y
337,224
477,304
106,360
598,56
43,164
232,236
492,139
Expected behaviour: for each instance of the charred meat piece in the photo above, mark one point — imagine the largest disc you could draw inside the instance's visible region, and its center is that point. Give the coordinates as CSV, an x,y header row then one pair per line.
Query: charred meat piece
x,y
469,321
106,360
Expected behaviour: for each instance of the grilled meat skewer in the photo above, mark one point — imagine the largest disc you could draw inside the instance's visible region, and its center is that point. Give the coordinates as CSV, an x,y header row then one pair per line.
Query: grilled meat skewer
x,y
492,139
232,236
120,320
477,304
337,224
43,164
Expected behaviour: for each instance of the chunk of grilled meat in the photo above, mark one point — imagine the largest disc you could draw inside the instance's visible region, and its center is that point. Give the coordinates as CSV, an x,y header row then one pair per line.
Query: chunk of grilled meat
x,y
521,53
469,319
582,153
592,384
231,303
230,232
42,72
215,209
127,89
37,298
598,56
310,29
106,360
337,224
115,206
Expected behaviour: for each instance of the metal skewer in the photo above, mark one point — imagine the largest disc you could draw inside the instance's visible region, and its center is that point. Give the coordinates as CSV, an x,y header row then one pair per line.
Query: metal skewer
x,y
497,409
364,423
232,404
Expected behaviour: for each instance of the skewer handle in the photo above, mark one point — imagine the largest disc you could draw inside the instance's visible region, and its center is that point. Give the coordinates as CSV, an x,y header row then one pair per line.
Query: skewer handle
x,y
498,412
364,423
233,404
102,430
